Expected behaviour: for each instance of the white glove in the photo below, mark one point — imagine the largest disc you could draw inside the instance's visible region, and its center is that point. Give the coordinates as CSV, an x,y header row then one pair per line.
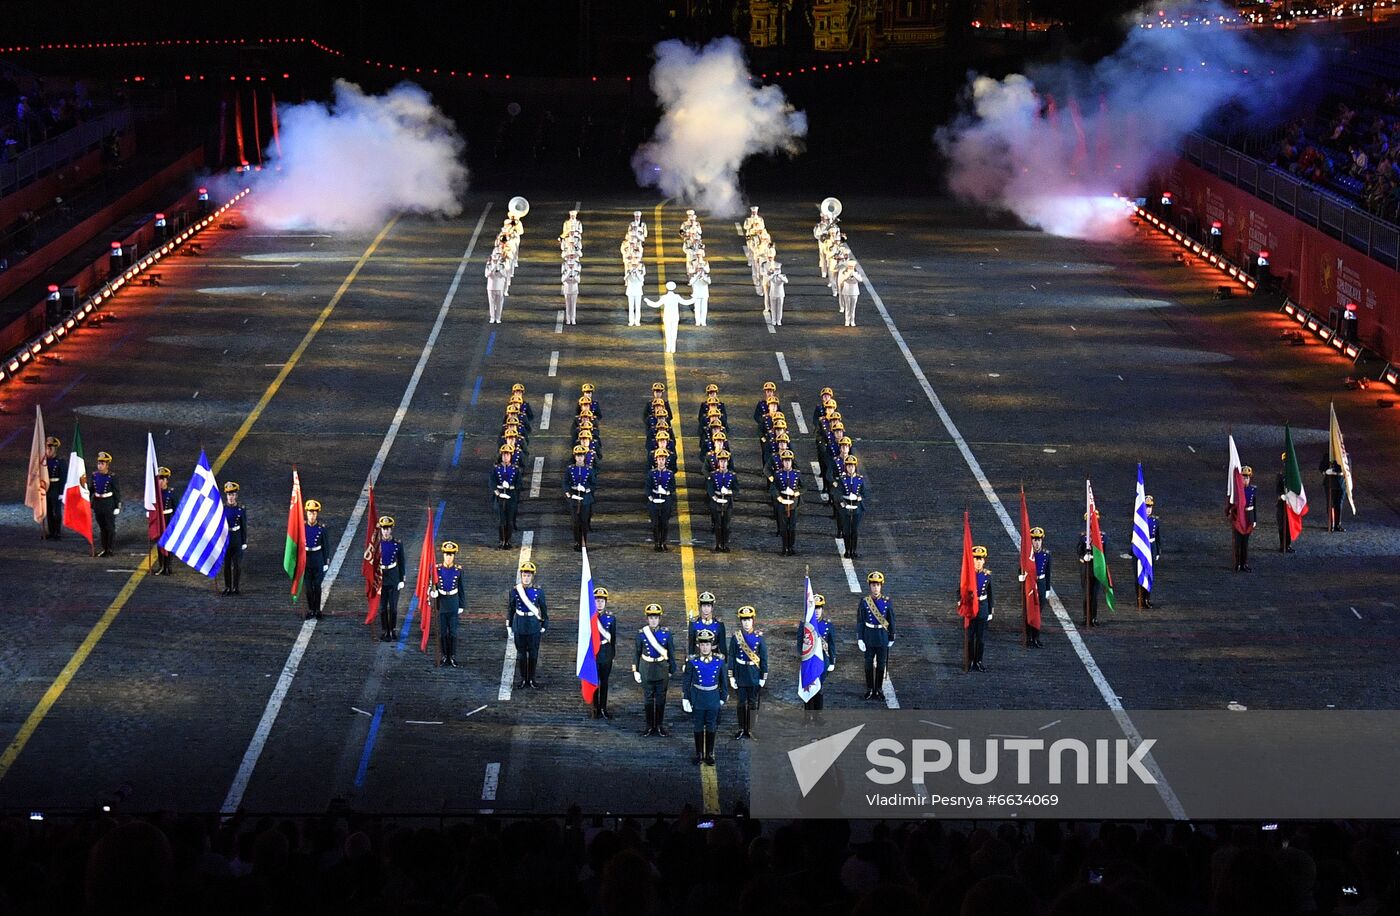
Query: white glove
x,y
892,638
637,676
685,704
762,681
1021,577
509,632
326,568
830,668
117,511
542,630
400,586
860,644
733,684
245,546
459,612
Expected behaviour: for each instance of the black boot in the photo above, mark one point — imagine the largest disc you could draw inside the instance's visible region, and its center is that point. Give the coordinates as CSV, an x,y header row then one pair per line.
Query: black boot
x,y
661,728
751,721
709,748
651,721
743,731
699,748
452,652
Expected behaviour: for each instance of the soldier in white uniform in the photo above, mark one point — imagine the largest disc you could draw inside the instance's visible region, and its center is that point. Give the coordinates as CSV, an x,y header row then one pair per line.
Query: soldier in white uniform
x,y
700,294
495,287
850,280
635,278
753,223
637,228
670,305
569,279
572,226
774,286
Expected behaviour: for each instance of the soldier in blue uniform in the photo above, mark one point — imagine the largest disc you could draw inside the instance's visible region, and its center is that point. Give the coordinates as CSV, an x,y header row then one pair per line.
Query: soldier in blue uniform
x,y
527,619
1087,579
786,491
505,491
578,494
653,666
850,506
106,502
391,571
446,589
705,620
588,390
658,398
57,469
1334,486
317,559
986,606
770,392
1241,540
237,518
703,693
168,500
827,636
835,465
607,652
748,669
661,498
1041,556
875,634
1155,545
720,487
517,393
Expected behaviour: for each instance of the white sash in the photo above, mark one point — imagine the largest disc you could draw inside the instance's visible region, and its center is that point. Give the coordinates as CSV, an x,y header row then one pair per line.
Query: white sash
x,y
604,637
655,644
525,600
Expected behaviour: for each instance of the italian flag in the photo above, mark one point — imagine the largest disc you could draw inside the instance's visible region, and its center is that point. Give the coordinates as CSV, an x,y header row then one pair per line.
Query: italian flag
x,y
294,557
1094,537
77,500
1294,499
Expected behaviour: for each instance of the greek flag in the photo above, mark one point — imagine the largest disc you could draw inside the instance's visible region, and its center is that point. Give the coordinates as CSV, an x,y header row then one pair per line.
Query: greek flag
x,y
199,532
1142,536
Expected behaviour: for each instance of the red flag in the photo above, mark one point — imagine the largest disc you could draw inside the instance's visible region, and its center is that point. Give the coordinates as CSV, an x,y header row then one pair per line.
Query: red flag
x,y
294,554
1238,510
967,583
374,576
427,569
1030,589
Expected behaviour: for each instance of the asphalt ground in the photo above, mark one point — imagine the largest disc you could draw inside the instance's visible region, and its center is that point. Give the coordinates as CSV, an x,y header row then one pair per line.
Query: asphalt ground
x,y
1053,361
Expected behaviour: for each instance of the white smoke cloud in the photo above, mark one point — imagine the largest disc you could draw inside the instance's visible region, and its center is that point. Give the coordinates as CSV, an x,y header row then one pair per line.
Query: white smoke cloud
x,y
713,118
350,165
1053,147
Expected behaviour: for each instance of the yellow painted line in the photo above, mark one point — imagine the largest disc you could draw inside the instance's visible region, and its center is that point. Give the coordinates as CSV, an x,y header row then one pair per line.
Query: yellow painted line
x,y
109,616
709,783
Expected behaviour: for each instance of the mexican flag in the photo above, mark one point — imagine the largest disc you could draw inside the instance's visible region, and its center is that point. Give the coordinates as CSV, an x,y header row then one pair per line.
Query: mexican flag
x,y
294,557
77,500
1294,498
1094,538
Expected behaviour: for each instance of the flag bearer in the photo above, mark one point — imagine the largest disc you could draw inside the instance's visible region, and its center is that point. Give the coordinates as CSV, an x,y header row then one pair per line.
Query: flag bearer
x,y
827,635
57,469
986,606
607,652
237,519
317,561
167,500
1041,556
391,571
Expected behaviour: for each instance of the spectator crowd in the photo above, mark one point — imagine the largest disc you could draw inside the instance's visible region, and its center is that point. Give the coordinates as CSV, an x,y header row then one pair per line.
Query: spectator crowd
x,y
350,864
1354,148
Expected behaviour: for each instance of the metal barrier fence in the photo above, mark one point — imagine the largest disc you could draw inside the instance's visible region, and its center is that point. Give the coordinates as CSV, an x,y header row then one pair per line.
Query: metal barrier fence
x,y
1339,218
61,150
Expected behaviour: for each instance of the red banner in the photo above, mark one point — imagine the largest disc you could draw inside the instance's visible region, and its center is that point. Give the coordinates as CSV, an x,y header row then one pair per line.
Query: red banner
x,y
1317,271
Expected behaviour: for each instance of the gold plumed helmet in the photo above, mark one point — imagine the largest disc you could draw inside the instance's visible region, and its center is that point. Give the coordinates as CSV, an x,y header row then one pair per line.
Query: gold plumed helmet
x,y
979,553
707,597
313,505
580,450
587,388
1247,471
663,435
785,455
653,610
518,386
719,435
658,386
513,407
105,456
828,390
386,521
1038,533
231,487
449,546
660,453
852,461
600,592
819,601
1148,500
585,435
527,567
845,440
53,441
770,386
747,612
721,455
712,388
162,472
507,450
584,399
705,636
877,577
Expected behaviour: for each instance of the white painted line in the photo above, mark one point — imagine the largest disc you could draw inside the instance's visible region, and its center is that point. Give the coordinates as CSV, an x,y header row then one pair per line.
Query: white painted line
x,y
1357,613
817,476
491,783
420,722
1193,451
361,711
475,711
527,542
850,567
1086,658
289,671
1049,725
782,366
935,724
553,364
535,477
544,413
769,326
559,322
801,420
195,396
1073,328
891,698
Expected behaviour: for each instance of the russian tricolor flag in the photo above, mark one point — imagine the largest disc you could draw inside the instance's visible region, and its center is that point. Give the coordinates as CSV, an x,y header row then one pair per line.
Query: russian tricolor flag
x,y
587,633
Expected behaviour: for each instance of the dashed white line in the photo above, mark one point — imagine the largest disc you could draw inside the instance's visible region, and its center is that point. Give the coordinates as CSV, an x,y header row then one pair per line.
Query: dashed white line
x,y
1357,613
553,364
801,420
559,322
362,711
535,477
422,722
817,477
782,367
289,670
851,579
1086,658
490,784
891,698
544,412
527,541
475,711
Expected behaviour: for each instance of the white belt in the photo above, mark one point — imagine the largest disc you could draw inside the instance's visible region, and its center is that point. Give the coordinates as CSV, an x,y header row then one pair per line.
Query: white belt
x,y
236,528
648,658
392,565
722,502
502,495
102,495
787,502
317,547
742,660
527,613
703,687
453,592
55,479
655,500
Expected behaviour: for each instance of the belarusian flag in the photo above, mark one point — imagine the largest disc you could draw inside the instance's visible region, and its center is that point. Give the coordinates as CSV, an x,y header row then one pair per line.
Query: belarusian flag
x,y
1095,540
77,500
294,557
1294,498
